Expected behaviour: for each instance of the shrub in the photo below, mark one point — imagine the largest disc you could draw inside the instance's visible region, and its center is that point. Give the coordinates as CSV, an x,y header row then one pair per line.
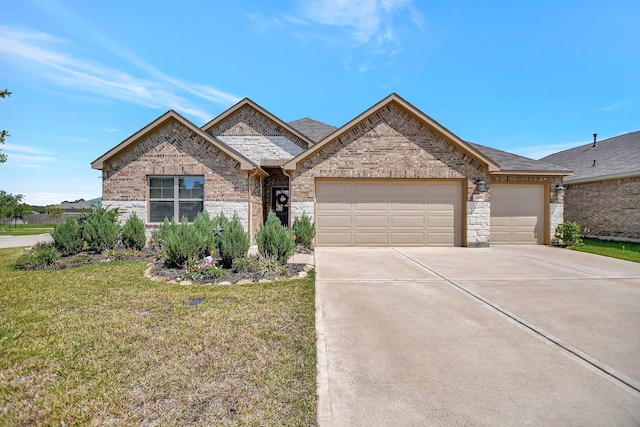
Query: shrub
x,y
184,242
268,266
274,239
67,237
206,227
304,230
40,256
233,241
203,269
569,233
101,230
132,234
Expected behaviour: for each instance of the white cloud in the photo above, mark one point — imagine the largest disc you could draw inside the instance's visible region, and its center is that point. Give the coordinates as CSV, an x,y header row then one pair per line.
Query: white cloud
x,y
540,151
46,56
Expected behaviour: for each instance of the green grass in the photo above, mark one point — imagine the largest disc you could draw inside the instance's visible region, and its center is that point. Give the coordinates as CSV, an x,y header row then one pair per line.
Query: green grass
x,y
622,250
102,345
25,229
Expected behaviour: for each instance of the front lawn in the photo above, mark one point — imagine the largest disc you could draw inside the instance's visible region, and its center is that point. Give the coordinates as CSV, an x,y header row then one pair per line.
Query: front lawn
x,y
622,250
25,229
102,345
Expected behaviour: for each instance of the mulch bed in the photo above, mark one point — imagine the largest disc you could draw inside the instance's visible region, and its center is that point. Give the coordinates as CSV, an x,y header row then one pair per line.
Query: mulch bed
x,y
158,272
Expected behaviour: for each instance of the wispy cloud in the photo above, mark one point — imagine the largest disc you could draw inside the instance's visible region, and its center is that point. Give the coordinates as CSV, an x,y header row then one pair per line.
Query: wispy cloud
x,y
540,151
27,157
366,29
47,56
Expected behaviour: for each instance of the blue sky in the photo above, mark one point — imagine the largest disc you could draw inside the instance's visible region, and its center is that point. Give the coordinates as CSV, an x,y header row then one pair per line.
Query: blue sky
x,y
527,77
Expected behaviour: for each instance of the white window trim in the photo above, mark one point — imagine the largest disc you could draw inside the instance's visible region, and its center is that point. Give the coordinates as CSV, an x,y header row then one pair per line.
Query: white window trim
x,y
176,195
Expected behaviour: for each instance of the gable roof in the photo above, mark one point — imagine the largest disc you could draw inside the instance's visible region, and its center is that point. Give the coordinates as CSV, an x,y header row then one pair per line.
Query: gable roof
x,y
248,102
395,98
616,157
313,129
245,164
512,163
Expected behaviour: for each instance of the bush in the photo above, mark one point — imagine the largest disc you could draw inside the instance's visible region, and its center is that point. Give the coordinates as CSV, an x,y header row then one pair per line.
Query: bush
x,y
40,256
100,230
67,237
206,227
275,240
132,235
569,233
304,230
233,241
184,242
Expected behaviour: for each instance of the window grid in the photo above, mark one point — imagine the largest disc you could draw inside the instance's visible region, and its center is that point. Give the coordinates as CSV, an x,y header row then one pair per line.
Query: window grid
x,y
174,197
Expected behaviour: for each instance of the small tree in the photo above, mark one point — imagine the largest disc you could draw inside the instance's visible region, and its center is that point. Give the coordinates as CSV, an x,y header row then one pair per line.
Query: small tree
x,y
233,242
132,234
3,133
304,230
275,240
67,237
54,212
569,233
100,229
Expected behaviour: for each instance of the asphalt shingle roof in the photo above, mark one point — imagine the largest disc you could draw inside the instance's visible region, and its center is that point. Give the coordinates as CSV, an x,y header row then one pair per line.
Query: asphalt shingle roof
x,y
513,162
312,128
617,156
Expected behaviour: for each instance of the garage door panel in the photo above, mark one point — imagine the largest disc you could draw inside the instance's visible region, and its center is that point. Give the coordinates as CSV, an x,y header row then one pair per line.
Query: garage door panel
x,y
334,239
334,221
517,213
370,238
371,221
390,212
407,221
407,239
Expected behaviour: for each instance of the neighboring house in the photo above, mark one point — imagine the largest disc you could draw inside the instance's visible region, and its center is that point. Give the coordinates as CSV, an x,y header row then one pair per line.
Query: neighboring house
x,y
392,176
603,194
77,208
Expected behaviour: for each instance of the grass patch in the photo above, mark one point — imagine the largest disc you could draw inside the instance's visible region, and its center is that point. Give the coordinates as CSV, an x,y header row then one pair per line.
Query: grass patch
x,y
623,250
25,229
101,345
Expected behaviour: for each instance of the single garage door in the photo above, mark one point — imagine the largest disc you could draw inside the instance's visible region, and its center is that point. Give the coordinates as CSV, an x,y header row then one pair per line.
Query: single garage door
x,y
517,214
388,213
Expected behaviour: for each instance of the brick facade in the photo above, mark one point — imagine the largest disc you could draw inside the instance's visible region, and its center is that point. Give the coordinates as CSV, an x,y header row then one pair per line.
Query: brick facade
x,y
174,150
608,208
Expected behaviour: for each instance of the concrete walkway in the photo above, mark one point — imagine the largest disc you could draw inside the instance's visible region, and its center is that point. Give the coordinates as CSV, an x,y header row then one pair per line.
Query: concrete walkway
x,y
19,241
498,336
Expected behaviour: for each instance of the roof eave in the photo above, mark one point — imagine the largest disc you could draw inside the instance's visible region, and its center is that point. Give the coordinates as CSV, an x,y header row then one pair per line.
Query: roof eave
x,y
532,172
245,164
628,174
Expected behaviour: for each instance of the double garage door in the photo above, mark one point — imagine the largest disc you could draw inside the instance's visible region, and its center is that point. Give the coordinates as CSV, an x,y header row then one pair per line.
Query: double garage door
x,y
421,213
388,213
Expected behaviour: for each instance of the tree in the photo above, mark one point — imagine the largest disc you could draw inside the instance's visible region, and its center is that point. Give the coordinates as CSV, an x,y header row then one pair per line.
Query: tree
x,y
3,133
21,211
54,212
10,205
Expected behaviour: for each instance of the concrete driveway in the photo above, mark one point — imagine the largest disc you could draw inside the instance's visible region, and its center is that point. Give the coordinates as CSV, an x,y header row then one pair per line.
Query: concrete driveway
x,y
529,335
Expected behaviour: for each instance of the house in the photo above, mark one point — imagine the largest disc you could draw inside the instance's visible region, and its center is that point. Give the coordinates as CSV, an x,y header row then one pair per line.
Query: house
x,y
391,176
603,194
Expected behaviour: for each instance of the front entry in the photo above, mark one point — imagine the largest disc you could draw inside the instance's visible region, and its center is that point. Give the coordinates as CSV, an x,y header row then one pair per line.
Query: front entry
x,y
280,204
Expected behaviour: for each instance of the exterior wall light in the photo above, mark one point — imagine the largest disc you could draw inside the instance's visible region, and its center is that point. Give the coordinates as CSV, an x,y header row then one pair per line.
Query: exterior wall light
x,y
482,186
560,190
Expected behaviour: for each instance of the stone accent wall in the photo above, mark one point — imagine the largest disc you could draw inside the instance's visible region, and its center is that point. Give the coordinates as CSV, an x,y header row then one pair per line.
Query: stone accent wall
x,y
258,147
478,223
390,143
556,215
299,208
229,209
608,208
172,150
249,121
127,209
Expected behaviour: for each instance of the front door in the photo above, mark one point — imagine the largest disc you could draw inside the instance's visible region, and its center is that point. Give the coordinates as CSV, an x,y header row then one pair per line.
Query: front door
x,y
280,204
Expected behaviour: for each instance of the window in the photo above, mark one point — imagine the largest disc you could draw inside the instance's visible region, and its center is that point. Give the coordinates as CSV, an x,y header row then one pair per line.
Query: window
x,y
175,197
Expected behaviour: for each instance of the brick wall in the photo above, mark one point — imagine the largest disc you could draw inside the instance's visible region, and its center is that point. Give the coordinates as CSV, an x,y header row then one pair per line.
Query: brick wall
x,y
173,149
608,208
391,143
